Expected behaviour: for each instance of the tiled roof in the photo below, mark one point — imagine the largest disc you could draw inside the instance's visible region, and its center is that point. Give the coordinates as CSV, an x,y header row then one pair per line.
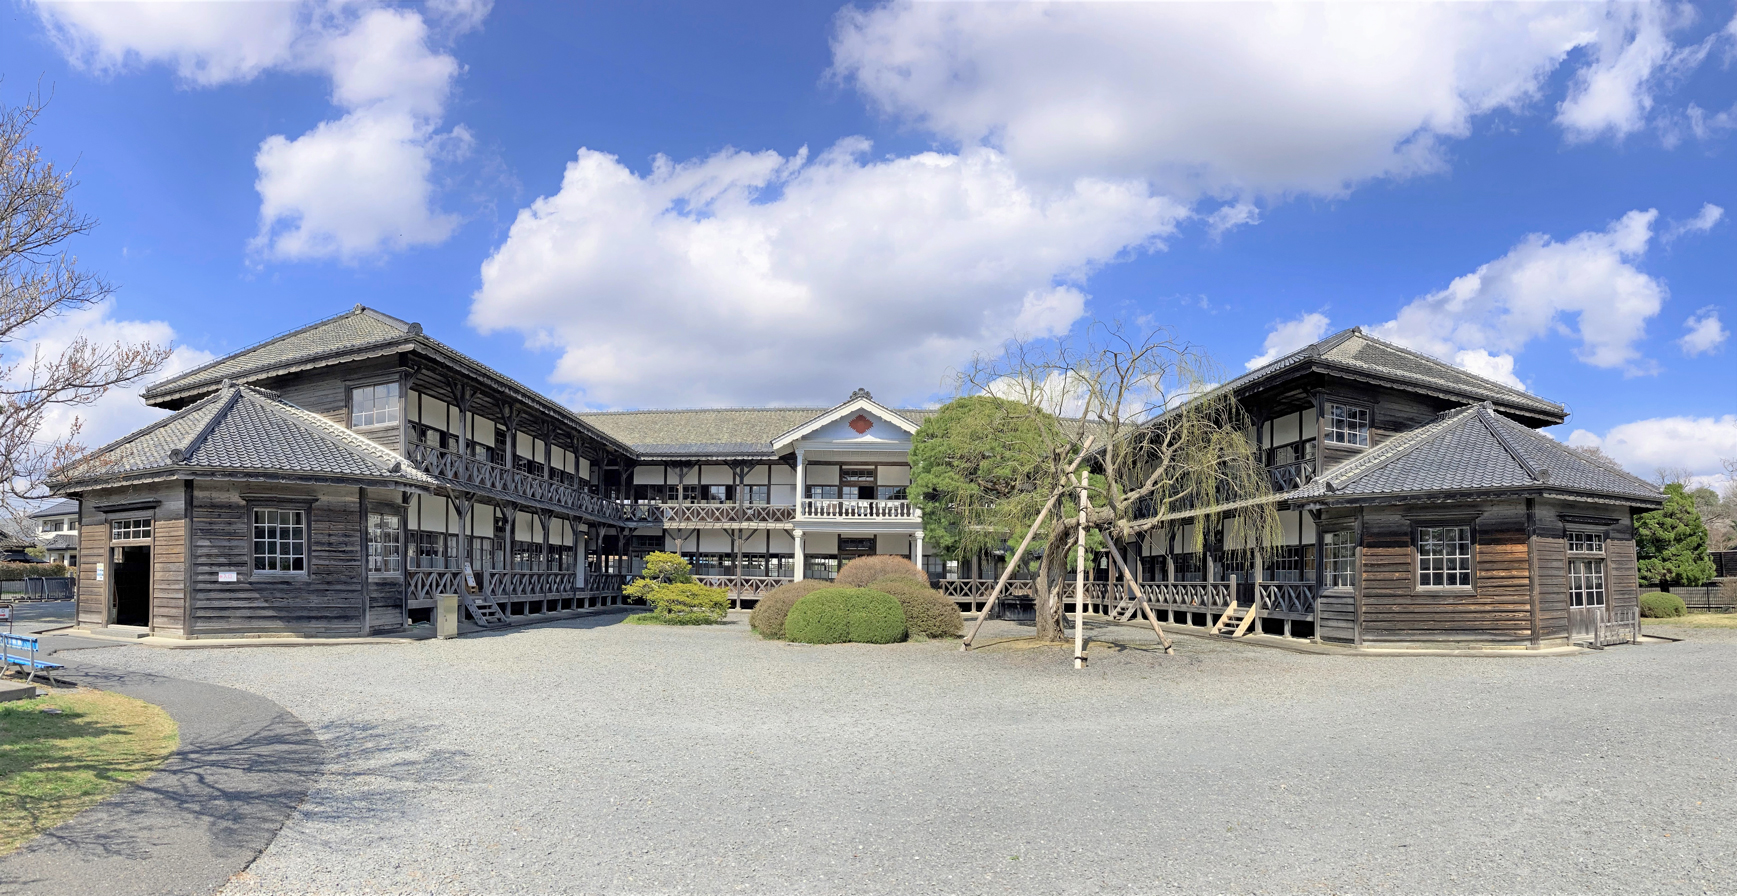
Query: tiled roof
x,y
1474,448
713,432
354,329
242,429
63,541
63,507
1356,350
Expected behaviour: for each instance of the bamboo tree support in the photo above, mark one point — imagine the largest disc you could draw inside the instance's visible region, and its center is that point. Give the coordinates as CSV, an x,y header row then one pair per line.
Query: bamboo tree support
x,y
1019,553
1080,581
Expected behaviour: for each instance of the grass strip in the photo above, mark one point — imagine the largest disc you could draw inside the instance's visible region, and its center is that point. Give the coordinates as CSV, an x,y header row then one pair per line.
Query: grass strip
x,y
55,765
1697,620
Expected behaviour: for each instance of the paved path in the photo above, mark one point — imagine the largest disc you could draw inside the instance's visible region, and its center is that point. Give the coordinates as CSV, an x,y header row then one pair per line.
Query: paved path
x,y
243,765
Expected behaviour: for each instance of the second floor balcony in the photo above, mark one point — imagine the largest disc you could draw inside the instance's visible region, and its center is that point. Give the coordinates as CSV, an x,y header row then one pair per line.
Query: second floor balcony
x,y
859,509
520,486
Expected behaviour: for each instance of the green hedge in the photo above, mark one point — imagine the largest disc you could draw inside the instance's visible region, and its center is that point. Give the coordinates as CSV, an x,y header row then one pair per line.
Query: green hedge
x,y
837,615
18,572
927,612
774,606
1659,605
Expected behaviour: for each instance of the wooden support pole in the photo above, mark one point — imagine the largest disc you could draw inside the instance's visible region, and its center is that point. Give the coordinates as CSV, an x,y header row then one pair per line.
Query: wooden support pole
x,y
1080,581
1014,558
1140,599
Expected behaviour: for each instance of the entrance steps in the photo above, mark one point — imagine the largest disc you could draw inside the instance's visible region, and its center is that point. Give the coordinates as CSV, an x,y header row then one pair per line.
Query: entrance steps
x,y
1236,621
484,610
130,632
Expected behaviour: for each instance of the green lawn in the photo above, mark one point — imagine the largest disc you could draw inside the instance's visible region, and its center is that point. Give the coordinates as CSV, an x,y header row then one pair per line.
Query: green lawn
x,y
54,766
1698,620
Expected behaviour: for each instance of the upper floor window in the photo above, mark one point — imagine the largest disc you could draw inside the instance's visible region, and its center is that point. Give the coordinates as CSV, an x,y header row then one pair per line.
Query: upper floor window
x,y
858,476
823,493
52,525
1444,557
1585,543
1347,425
757,494
130,530
374,405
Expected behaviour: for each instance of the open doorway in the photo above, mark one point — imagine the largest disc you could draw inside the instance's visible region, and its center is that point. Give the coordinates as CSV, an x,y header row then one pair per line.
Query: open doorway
x,y
132,594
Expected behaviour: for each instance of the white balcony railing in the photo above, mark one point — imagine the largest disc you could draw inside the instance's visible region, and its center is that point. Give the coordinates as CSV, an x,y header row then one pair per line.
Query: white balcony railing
x,y
844,509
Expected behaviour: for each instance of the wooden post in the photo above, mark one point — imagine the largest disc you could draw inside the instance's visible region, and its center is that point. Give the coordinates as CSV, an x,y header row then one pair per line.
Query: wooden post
x,y
362,505
1140,596
1320,563
1014,558
1080,582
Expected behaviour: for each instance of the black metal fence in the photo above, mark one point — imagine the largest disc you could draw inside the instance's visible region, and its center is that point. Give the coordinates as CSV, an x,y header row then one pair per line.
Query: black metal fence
x,y
39,588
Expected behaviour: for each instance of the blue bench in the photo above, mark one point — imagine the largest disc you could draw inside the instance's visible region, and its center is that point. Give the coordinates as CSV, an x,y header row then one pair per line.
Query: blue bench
x,y
20,651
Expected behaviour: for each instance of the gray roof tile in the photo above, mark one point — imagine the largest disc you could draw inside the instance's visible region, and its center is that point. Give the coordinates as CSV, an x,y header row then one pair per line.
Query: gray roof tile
x,y
242,428
354,329
1474,448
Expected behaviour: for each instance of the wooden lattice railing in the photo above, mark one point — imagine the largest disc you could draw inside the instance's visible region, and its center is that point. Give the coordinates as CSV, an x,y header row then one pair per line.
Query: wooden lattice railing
x,y
1293,475
476,474
1286,600
742,586
1187,595
717,514
427,584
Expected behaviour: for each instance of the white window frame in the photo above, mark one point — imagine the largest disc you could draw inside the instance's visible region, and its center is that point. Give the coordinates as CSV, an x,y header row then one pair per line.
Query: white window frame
x,y
1339,561
1439,570
383,400
254,540
1337,412
388,561
1587,585
127,529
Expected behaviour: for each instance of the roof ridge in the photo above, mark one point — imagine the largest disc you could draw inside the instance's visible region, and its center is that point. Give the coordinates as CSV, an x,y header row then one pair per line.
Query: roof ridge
x,y
1429,357
1396,448
257,345
1551,443
180,454
136,434
315,425
1485,411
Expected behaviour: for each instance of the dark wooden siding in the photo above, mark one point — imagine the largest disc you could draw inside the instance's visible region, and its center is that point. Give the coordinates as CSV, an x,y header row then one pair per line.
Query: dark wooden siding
x,y
327,602
1551,562
168,583
1497,608
1621,582
325,391
385,593
1337,615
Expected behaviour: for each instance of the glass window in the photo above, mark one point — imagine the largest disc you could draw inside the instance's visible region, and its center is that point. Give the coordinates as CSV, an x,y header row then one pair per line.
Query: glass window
x,y
1586,583
1347,425
857,476
823,492
374,405
279,540
1341,568
130,530
1585,543
718,494
1444,557
893,492
385,551
759,494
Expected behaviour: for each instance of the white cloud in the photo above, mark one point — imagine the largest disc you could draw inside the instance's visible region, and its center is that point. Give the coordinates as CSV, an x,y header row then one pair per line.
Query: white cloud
x,y
749,277
1705,332
350,188
205,43
1230,217
1634,60
1586,286
1223,99
120,411
1693,443
1702,222
1288,336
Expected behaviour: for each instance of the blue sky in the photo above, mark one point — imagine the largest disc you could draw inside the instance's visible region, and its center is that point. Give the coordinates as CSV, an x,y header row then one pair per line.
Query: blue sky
x,y
866,197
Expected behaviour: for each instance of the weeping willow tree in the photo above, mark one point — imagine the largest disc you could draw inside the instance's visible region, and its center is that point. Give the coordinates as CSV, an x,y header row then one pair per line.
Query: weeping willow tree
x,y
1163,443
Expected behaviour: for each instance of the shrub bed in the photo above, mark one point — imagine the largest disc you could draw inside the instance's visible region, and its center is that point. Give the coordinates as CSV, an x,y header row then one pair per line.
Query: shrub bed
x,y
927,612
1659,605
838,615
864,571
18,572
774,606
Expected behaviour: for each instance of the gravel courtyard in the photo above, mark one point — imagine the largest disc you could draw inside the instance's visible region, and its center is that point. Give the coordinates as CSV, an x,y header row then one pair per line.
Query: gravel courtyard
x,y
596,757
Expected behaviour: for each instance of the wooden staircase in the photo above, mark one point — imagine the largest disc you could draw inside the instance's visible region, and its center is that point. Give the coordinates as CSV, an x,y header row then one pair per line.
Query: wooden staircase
x,y
484,610
1236,621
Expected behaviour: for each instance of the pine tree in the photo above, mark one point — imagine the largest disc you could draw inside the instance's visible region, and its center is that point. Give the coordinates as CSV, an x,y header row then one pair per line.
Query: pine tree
x,y
1672,542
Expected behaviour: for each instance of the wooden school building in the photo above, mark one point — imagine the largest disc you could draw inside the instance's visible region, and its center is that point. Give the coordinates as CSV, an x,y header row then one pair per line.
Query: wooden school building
x,y
333,480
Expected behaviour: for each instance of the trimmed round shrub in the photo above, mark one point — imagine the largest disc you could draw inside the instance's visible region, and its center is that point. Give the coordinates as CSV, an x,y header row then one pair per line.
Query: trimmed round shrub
x,y
863,571
688,603
1659,605
774,605
837,615
927,612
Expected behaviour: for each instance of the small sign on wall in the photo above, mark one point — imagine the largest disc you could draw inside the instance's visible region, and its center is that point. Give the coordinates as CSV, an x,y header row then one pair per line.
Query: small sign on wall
x,y
226,576
469,578
99,572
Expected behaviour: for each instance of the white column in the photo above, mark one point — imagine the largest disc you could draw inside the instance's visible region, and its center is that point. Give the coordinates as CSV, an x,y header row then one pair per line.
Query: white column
x,y
796,535
917,548
801,481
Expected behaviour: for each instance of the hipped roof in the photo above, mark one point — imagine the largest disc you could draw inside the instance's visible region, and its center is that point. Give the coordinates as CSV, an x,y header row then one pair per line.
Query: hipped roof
x,y
1474,449
242,432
